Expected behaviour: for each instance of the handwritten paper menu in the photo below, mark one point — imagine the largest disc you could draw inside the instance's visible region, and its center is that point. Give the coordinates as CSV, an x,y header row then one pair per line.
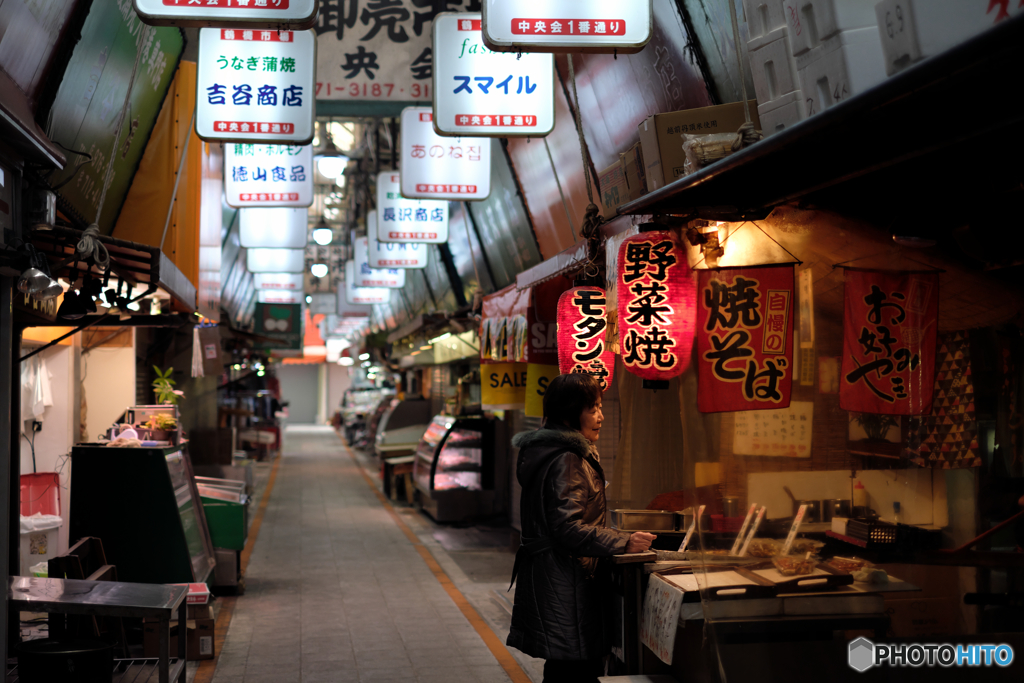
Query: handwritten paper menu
x,y
661,617
784,433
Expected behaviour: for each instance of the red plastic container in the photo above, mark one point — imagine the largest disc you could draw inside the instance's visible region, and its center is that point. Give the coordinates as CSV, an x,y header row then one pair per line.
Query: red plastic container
x,y
40,492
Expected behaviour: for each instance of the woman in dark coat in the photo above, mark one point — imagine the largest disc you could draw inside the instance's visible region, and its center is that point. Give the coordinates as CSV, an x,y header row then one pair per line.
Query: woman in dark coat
x,y
558,612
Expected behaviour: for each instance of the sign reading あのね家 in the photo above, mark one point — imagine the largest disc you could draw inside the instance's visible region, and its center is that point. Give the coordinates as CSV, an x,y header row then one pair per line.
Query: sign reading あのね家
x,y
408,220
433,167
268,175
567,25
255,85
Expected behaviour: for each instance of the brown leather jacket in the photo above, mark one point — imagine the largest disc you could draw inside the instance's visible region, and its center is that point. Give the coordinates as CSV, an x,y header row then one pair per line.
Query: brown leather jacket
x,y
558,611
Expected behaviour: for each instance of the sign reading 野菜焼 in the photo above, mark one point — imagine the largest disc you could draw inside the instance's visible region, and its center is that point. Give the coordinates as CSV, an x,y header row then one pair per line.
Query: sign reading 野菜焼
x,y
503,386
256,85
484,93
567,25
374,277
270,14
393,254
538,377
268,175
408,220
433,167
745,338
582,319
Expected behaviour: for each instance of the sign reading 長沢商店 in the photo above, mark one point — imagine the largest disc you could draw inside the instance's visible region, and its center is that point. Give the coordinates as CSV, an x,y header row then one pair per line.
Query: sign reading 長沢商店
x,y
567,25
268,175
256,86
295,14
433,167
484,93
367,276
393,254
408,220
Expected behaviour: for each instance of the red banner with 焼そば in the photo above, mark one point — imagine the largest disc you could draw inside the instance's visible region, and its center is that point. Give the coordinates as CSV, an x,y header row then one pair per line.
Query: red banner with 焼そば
x,y
745,338
889,329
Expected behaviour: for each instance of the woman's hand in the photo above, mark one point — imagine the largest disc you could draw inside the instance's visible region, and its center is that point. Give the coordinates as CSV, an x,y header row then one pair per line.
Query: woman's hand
x,y
639,542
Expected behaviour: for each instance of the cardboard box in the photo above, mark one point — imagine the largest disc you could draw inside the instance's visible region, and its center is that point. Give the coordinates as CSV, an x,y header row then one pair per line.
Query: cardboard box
x,y
633,166
845,65
662,144
928,617
198,641
614,191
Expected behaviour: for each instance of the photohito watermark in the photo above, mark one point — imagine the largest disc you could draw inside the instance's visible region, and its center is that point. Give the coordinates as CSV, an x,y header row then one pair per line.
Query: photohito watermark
x,y
864,654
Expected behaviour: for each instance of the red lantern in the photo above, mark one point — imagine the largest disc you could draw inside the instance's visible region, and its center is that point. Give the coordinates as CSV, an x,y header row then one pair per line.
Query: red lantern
x,y
582,319
657,300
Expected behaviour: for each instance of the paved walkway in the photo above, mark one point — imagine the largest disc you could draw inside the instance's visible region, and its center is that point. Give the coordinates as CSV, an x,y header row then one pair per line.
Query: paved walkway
x,y
336,592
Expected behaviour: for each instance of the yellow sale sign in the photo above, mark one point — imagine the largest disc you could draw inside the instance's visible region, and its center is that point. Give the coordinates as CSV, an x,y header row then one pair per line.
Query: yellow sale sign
x,y
537,379
503,386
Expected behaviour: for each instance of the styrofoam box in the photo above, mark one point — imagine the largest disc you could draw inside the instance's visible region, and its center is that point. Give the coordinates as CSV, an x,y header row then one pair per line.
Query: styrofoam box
x,y
812,21
845,65
914,29
763,16
782,113
772,66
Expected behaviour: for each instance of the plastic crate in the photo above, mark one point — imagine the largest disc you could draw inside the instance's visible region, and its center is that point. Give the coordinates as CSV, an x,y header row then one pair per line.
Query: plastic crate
x,y
873,533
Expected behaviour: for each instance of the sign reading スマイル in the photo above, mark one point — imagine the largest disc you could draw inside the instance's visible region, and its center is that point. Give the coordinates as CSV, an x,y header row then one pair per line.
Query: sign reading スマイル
x,y
567,25
408,220
484,93
256,86
268,175
433,167
228,13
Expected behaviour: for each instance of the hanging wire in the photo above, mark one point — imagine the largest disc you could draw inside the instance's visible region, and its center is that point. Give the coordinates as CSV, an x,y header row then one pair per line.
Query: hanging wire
x,y
590,230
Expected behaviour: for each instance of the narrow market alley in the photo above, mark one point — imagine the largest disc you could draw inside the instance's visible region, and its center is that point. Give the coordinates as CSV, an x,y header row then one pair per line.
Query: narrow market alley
x,y
337,590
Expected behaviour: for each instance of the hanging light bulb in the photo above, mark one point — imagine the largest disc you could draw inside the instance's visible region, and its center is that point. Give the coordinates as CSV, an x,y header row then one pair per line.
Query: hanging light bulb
x,y
322,233
319,269
73,307
330,162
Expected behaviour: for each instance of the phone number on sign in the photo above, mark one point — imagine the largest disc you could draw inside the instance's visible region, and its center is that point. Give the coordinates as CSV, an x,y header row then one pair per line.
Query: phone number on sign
x,y
371,90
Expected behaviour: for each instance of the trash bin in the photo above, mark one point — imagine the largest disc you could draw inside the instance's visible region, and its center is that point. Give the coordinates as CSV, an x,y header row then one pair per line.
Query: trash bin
x,y
38,539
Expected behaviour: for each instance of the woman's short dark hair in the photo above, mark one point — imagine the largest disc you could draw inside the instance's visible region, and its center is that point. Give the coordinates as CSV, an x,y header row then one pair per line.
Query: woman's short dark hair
x,y
567,396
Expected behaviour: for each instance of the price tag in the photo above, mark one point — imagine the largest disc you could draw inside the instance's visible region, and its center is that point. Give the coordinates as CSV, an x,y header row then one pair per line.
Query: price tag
x,y
743,529
689,532
794,529
753,531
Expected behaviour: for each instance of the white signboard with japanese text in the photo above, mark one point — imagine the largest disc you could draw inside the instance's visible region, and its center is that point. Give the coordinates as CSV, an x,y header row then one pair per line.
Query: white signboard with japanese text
x,y
377,50
408,220
296,14
393,254
268,175
286,228
784,432
374,277
484,93
362,295
255,85
292,281
433,167
567,25
275,260
279,296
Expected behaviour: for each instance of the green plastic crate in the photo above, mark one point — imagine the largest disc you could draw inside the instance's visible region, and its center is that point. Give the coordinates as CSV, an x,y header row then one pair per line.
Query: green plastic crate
x,y
227,523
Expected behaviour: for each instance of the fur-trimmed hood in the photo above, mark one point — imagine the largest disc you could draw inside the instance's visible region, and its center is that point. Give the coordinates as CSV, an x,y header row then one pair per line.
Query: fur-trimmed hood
x,y
536,447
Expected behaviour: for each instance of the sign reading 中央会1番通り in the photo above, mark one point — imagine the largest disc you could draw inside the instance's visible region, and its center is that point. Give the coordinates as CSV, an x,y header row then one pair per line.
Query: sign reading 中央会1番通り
x,y
567,25
268,175
484,93
408,220
256,86
295,14
432,167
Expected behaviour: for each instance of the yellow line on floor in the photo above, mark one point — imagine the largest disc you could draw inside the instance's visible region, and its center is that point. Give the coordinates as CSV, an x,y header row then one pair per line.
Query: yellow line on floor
x,y
497,648
204,674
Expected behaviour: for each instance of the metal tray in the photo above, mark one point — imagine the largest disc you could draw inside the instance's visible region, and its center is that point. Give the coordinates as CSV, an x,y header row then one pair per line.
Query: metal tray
x,y
642,520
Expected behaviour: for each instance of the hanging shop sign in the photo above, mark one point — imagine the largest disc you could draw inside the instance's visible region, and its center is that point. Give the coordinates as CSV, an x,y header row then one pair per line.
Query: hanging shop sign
x,y
268,175
567,25
325,303
889,329
296,14
256,86
279,296
287,281
488,94
433,167
745,338
408,220
374,277
282,322
275,260
393,254
538,377
285,228
362,295
656,305
503,386
582,320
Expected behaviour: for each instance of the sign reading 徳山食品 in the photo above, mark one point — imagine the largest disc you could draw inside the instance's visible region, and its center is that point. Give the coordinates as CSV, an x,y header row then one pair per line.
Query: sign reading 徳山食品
x,y
567,25
433,167
295,14
256,85
484,93
408,220
268,175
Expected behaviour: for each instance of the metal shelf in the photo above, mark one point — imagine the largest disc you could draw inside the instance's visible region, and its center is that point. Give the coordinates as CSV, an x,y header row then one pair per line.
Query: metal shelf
x,y
127,671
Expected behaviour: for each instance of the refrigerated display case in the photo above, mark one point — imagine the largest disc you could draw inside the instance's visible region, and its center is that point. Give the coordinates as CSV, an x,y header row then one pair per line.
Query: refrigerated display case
x,y
456,466
401,427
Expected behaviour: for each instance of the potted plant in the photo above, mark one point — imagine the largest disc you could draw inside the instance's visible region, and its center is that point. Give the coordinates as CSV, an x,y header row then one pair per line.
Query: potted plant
x,y
160,425
163,387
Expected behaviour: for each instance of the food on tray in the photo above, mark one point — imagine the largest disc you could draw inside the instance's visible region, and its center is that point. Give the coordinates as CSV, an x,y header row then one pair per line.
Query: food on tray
x,y
794,565
848,564
805,545
764,547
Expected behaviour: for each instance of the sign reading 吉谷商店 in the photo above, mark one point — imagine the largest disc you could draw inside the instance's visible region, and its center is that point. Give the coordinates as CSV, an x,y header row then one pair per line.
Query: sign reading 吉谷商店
x,y
228,13
433,167
362,295
268,175
374,277
256,85
484,93
393,254
408,220
567,25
